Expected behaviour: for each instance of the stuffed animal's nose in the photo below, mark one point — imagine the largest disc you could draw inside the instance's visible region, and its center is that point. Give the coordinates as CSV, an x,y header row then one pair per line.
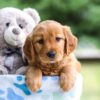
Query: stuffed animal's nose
x,y
16,31
51,54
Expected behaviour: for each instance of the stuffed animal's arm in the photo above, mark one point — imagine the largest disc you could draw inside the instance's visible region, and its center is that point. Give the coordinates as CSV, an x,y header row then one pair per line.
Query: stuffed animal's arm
x,y
3,69
22,70
8,63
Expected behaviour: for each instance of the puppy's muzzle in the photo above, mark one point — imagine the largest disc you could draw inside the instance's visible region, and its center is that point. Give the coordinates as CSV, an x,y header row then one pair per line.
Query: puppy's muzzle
x,y
51,54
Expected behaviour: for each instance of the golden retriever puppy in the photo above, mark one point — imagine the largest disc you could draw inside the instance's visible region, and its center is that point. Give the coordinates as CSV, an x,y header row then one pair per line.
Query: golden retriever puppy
x,y
49,51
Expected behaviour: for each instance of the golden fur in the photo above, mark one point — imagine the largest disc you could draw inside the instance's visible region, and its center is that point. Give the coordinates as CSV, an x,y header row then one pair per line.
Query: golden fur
x,y
51,36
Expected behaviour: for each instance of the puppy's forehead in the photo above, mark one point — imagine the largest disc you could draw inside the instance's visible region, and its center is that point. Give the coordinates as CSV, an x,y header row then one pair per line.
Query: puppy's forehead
x,y
50,28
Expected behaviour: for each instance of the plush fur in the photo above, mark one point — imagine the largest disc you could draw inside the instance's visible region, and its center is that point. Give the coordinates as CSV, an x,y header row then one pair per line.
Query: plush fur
x,y
15,25
57,40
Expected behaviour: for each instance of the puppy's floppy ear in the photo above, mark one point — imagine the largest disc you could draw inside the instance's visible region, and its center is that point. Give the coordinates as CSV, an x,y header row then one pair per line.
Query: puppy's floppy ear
x,y
70,40
29,52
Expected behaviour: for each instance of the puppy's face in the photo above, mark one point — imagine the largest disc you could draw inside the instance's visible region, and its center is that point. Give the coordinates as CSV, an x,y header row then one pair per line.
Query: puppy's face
x,y
49,42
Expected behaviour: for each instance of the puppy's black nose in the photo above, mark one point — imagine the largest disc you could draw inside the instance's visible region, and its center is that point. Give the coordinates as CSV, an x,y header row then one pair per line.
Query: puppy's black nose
x,y
51,54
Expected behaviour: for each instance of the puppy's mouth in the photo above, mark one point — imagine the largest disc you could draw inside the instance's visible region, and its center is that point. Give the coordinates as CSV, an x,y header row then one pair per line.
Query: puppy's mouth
x,y
49,61
52,61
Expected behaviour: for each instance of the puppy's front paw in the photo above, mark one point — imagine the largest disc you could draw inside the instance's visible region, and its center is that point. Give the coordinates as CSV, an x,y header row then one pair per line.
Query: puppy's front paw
x,y
33,84
66,83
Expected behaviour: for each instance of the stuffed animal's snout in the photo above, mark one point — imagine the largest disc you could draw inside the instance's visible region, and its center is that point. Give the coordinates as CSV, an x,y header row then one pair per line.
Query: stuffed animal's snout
x,y
16,31
14,36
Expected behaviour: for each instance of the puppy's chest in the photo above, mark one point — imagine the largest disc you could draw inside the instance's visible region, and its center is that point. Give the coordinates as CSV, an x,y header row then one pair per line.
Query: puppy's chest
x,y
51,70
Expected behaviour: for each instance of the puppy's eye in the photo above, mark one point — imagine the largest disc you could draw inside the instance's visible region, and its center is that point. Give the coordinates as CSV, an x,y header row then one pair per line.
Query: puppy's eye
x,y
7,24
41,41
58,39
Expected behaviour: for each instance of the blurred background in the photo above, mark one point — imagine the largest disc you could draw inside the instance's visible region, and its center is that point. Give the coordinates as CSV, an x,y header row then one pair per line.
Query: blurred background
x,y
83,16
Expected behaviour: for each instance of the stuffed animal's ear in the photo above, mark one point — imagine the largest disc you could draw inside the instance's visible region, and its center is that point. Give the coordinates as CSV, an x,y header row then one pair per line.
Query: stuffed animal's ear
x,y
28,49
33,13
70,40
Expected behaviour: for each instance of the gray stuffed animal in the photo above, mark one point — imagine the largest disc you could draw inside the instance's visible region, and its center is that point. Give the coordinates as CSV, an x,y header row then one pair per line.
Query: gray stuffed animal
x,y
15,25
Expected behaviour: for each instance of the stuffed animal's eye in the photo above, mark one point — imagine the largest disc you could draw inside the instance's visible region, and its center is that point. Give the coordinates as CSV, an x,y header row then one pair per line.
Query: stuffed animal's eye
x,y
41,41
7,24
58,39
21,26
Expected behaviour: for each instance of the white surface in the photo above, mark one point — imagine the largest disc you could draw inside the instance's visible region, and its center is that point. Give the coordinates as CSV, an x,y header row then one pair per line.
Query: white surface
x,y
50,89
